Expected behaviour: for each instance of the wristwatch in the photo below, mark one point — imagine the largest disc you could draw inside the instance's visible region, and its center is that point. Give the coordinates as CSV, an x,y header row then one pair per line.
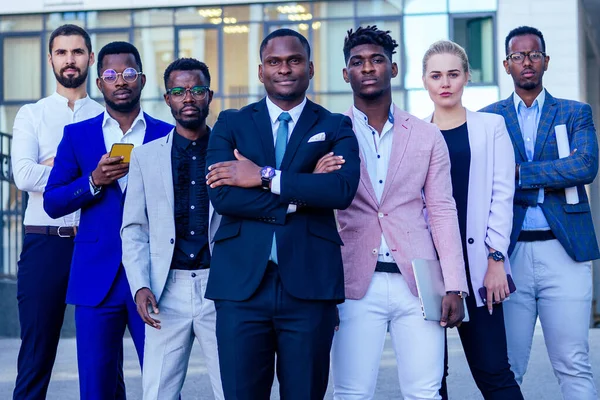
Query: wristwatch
x,y
95,189
266,176
460,294
496,256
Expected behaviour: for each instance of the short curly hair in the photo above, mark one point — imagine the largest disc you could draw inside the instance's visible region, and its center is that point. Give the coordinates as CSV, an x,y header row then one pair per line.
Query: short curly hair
x,y
369,35
186,64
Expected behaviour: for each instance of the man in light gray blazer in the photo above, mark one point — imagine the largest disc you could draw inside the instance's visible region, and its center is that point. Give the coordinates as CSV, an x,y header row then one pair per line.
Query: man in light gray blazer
x,y
168,224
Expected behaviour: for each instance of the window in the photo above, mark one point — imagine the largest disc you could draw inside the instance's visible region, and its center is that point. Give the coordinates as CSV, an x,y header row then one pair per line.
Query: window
x,y
109,19
240,59
419,33
22,61
328,55
476,35
156,49
366,8
55,20
15,23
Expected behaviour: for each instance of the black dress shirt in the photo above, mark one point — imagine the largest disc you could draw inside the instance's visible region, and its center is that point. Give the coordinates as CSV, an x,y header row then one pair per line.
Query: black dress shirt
x,y
188,161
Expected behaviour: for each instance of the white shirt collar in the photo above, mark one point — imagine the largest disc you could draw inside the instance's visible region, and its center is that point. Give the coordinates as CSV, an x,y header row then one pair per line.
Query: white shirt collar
x,y
62,99
541,98
360,116
139,119
274,111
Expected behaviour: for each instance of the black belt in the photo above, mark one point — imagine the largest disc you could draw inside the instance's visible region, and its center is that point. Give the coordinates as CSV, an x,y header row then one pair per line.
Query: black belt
x,y
387,267
62,231
535,236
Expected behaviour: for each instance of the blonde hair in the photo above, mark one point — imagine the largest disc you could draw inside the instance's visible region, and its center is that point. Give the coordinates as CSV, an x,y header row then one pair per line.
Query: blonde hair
x,y
447,47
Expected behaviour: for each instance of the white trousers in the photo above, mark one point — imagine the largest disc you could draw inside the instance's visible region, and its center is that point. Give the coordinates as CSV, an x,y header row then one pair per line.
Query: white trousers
x,y
558,290
184,314
358,345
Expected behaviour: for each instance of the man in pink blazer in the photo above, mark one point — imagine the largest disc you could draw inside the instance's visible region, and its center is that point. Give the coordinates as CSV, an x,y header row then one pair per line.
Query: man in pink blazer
x,y
404,167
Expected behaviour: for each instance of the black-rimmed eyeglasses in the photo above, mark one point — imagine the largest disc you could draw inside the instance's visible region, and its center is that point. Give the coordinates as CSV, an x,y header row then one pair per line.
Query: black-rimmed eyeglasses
x,y
519,56
197,92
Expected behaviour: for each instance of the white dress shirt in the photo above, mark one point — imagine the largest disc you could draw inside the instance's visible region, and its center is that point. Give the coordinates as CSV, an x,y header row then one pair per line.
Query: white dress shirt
x,y
37,131
274,112
113,134
376,150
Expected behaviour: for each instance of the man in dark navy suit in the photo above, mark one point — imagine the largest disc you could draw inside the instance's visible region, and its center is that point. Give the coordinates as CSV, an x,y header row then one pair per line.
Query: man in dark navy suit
x,y
276,271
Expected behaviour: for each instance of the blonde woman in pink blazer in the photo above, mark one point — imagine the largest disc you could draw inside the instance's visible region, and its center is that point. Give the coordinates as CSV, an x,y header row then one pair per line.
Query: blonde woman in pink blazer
x,y
483,182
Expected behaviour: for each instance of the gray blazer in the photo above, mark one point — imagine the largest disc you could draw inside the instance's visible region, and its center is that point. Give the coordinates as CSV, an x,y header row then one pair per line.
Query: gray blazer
x,y
148,230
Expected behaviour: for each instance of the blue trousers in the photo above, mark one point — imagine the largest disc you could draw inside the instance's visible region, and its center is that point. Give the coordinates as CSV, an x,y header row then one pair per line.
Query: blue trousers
x,y
100,333
42,281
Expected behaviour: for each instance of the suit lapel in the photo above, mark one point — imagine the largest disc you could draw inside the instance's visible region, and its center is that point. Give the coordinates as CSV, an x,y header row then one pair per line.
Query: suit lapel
x,y
365,180
96,139
152,133
402,131
166,169
512,125
306,121
546,120
265,131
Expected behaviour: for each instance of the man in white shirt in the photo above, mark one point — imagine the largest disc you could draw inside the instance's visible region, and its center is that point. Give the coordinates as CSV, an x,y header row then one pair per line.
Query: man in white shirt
x,y
403,158
48,245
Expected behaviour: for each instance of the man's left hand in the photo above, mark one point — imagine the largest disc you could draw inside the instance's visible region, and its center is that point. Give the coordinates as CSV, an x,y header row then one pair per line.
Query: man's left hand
x,y
453,311
240,172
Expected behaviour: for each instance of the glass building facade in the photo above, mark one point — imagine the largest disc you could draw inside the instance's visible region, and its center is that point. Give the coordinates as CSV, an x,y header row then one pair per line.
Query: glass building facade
x,y
227,38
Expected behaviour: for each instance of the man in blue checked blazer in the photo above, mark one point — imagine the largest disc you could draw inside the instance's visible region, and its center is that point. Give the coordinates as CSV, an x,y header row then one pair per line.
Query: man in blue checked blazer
x,y
552,242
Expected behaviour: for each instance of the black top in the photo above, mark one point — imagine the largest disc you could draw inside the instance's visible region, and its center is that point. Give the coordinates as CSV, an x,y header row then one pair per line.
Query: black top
x,y
188,160
457,140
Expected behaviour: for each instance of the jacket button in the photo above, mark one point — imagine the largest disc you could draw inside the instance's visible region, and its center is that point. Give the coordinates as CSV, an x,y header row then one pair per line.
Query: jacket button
x,y
471,241
172,240
374,251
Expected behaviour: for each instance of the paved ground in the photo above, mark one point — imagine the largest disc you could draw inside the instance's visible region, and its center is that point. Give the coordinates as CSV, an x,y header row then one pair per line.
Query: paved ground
x,y
539,384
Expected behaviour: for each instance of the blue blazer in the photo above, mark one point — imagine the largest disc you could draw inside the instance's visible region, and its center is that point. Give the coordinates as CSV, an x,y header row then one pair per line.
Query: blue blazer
x,y
97,253
308,243
571,223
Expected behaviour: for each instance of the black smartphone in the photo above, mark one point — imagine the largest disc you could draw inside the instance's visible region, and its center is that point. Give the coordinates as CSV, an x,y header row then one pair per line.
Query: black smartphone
x,y
511,288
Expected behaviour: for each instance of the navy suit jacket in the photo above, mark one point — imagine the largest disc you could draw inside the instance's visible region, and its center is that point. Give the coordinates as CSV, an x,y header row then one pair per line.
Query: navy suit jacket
x,y
571,223
308,243
97,253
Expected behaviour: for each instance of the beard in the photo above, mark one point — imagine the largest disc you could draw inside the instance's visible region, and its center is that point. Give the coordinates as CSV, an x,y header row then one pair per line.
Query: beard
x,y
192,123
70,82
528,85
124,107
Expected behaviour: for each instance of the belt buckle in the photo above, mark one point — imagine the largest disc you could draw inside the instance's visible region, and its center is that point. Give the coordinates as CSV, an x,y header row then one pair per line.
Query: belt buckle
x,y
58,232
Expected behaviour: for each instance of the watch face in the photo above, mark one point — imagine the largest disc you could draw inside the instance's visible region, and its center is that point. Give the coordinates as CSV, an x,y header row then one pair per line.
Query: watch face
x,y
267,172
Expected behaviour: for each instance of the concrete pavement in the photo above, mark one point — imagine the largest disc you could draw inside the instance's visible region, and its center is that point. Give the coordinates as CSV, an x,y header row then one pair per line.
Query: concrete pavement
x,y
539,384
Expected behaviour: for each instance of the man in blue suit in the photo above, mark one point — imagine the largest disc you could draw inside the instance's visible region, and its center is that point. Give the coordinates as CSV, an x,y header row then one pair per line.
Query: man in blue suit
x,y
552,242
85,177
276,269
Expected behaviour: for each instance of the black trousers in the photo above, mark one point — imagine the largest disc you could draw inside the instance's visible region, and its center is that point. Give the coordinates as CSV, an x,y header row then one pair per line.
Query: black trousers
x,y
484,342
42,281
274,329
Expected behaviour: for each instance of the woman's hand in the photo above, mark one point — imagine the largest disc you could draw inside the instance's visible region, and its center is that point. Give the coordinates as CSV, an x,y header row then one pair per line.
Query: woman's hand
x,y
496,283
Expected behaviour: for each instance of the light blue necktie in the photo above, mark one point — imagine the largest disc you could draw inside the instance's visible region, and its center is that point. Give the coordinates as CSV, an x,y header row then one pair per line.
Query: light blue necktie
x,y
280,145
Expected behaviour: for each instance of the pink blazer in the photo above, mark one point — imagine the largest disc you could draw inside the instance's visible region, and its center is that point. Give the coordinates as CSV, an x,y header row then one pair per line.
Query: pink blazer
x,y
491,191
419,163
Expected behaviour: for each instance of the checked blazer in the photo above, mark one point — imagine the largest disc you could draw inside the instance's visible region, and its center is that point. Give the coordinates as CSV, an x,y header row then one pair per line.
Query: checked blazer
x,y
571,223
